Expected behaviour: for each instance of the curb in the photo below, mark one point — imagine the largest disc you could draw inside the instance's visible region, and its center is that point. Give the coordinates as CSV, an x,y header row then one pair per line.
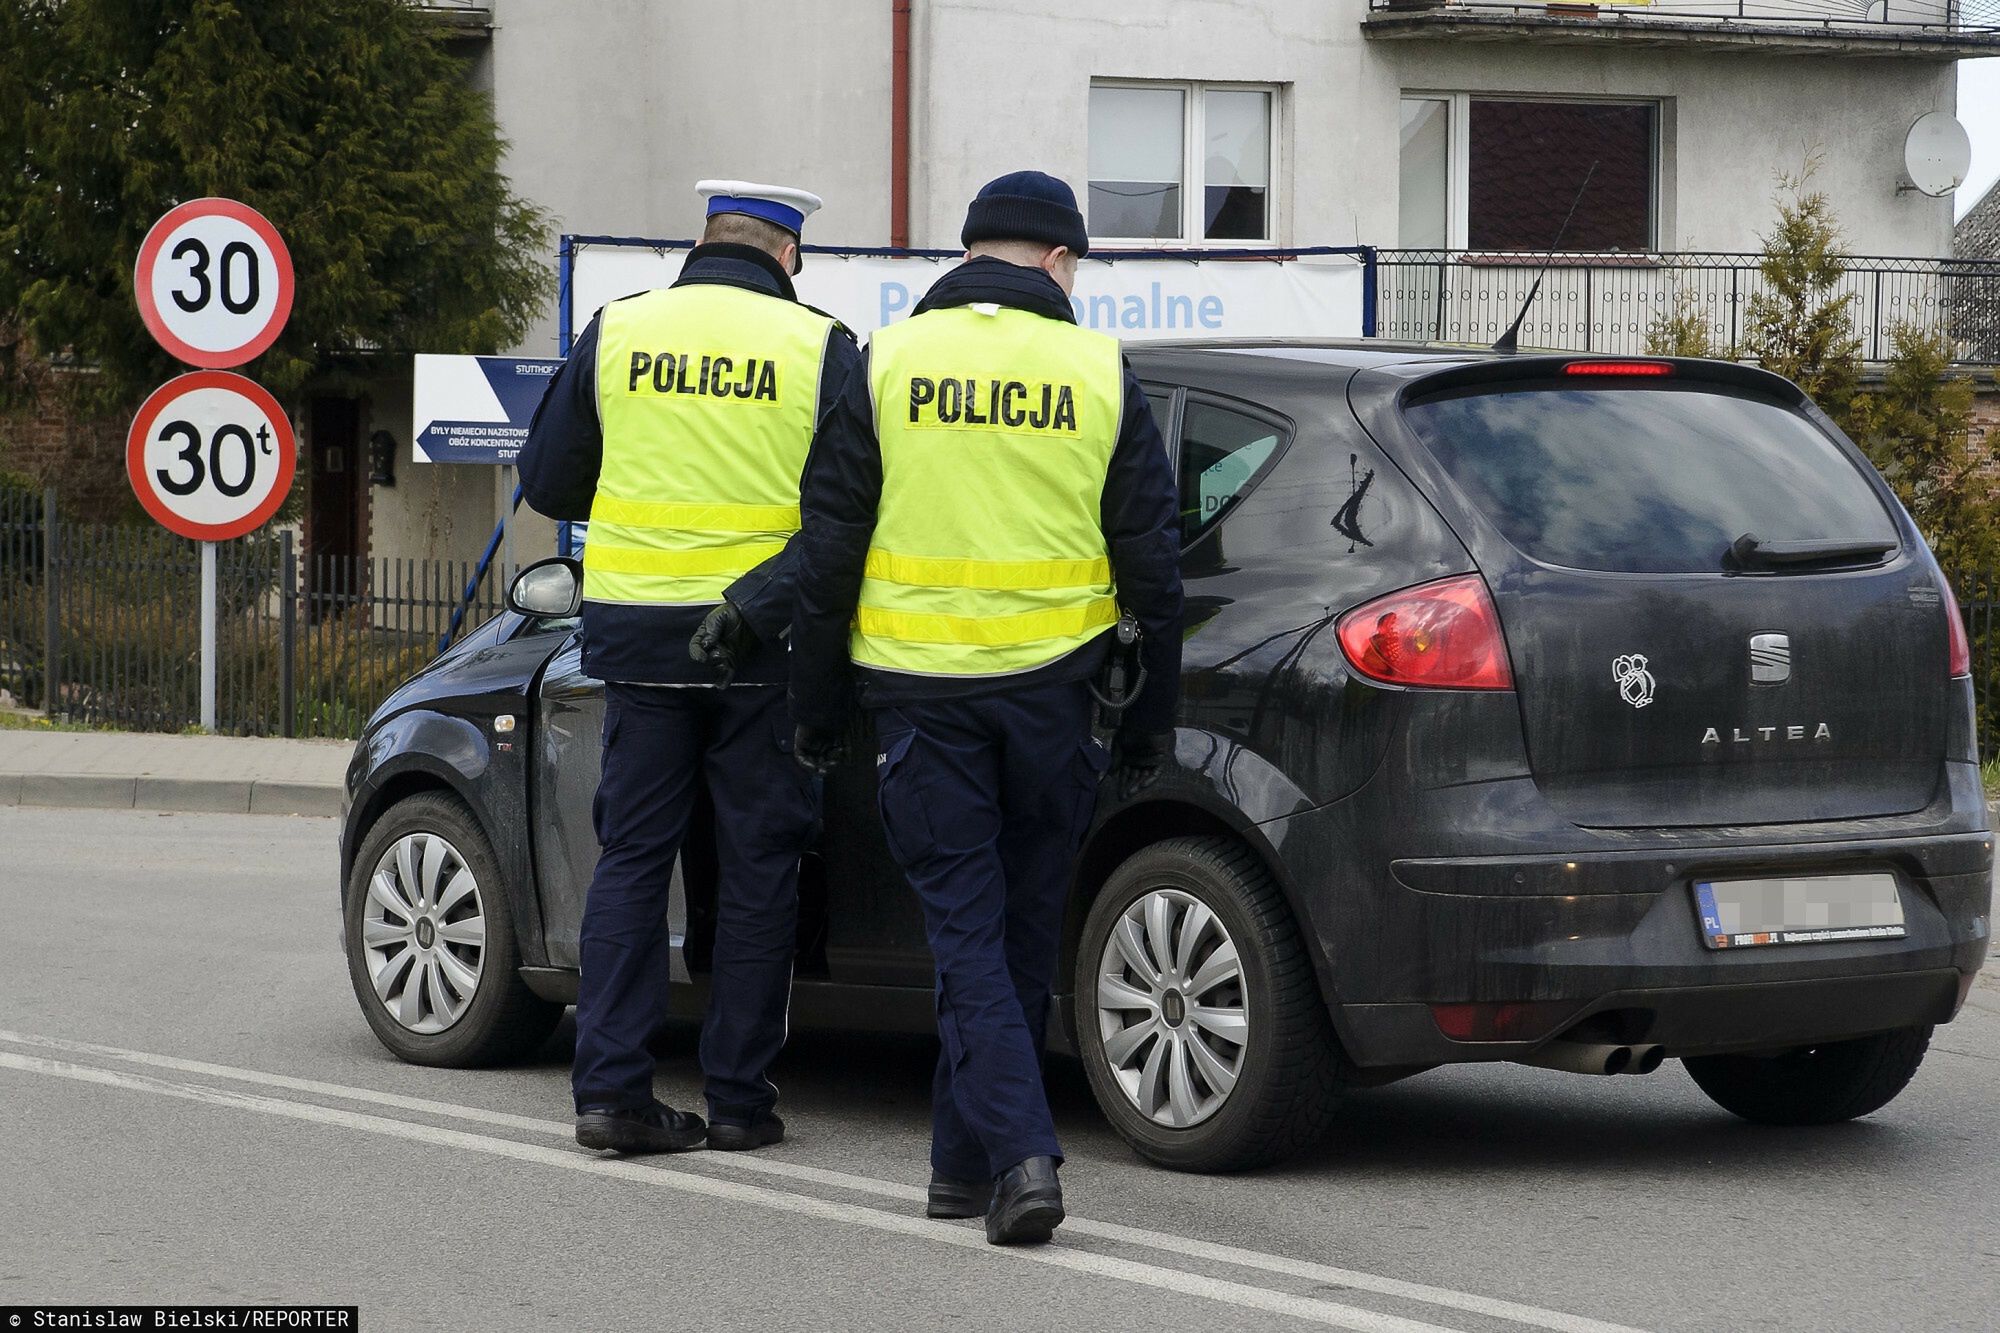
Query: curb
x,y
93,791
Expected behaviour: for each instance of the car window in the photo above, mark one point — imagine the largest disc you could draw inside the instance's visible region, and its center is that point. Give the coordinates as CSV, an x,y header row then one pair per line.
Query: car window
x,y
1222,454
1659,479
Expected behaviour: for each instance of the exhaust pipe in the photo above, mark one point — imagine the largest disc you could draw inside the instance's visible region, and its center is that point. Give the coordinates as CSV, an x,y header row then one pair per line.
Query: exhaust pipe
x,y
1645,1059
1580,1057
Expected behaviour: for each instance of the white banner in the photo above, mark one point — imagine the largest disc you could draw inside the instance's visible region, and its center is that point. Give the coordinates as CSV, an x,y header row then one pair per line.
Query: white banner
x,y
1139,300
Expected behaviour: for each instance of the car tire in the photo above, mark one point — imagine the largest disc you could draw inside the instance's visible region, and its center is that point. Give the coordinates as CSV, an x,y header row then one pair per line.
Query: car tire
x,y
1287,1069
1813,1085
450,1021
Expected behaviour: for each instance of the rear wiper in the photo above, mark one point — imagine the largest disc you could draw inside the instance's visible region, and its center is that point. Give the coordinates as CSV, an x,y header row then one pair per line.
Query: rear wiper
x,y
1750,553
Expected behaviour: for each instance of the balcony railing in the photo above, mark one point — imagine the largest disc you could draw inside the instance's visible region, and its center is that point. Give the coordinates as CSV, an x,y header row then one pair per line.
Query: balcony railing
x,y
1847,24
1613,303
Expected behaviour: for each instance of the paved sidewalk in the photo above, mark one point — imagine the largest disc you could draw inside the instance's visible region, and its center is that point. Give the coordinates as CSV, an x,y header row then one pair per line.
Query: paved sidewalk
x,y
137,770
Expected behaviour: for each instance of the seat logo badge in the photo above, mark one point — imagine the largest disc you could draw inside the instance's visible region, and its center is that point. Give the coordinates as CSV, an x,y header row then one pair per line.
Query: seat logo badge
x,y
1770,659
1635,683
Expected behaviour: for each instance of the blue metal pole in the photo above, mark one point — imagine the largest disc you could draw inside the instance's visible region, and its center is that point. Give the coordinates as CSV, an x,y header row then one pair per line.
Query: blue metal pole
x,y
565,334
478,577
1369,294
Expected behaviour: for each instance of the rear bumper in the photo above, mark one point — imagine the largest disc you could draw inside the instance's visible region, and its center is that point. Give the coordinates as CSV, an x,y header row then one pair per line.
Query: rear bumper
x,y
1687,1020
1617,935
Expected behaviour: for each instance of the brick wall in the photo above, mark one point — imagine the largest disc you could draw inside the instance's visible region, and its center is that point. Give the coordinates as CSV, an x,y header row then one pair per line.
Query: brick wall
x,y
47,439
1985,422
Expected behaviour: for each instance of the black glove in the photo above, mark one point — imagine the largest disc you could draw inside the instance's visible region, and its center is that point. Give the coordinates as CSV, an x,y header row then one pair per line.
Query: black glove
x,y
1137,760
723,640
819,748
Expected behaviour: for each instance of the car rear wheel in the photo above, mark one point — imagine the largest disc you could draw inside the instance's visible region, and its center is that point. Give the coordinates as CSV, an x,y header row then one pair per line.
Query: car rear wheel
x,y
430,944
1813,1085
1199,1018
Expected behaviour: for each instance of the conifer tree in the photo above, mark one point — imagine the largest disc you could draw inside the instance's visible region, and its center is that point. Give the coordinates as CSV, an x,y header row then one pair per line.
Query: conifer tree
x,y
349,123
1916,429
1800,325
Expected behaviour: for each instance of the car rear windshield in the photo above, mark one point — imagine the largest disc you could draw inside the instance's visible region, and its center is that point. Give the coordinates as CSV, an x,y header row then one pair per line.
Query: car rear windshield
x,y
1653,479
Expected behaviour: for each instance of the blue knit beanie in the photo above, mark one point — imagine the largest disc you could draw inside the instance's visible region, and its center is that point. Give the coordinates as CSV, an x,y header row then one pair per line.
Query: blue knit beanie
x,y
1026,206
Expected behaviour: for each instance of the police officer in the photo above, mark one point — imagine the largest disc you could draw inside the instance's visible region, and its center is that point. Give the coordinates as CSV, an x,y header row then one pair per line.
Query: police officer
x,y
679,427
986,495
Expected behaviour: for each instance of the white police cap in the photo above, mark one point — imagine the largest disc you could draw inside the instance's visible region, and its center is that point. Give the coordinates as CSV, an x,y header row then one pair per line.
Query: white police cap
x,y
778,204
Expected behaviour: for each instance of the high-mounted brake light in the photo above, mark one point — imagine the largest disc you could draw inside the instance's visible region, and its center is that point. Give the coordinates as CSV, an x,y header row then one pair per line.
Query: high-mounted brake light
x,y
1618,368
1444,635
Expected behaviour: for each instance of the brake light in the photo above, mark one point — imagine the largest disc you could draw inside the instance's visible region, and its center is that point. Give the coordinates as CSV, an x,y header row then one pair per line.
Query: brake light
x,y
1618,368
1443,635
1961,647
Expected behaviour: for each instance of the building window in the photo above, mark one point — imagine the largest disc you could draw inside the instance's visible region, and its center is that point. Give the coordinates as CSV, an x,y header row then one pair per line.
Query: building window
x,y
1501,173
1149,141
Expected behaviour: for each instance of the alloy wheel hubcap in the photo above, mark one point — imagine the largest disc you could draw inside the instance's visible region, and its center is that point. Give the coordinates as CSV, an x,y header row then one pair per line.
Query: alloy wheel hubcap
x,y
423,932
1172,1010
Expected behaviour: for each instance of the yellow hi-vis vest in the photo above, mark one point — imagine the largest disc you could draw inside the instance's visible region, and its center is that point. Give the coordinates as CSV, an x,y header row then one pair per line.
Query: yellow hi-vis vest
x,y
707,396
996,429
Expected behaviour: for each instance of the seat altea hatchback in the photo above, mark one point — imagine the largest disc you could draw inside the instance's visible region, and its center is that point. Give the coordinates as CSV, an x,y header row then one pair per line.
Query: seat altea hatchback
x,y
1561,710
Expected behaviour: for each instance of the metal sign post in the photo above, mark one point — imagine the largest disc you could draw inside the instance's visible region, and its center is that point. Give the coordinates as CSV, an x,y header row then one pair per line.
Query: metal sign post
x,y
208,636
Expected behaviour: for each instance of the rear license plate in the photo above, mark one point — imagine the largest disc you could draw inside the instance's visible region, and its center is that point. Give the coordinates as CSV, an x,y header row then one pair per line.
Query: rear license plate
x,y
1805,909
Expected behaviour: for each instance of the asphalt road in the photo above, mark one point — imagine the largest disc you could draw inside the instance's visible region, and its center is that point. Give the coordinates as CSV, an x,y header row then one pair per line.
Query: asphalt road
x,y
192,1110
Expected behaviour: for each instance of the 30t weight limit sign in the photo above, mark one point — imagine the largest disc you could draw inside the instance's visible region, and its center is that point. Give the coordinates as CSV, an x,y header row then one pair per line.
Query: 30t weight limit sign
x,y
210,455
214,282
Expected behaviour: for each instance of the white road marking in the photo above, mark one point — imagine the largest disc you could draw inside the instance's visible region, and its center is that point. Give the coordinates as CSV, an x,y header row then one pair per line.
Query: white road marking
x,y
1443,1297
1329,1313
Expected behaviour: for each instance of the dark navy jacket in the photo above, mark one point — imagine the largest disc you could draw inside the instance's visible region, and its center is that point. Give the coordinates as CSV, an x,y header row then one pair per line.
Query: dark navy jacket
x,y
843,486
648,645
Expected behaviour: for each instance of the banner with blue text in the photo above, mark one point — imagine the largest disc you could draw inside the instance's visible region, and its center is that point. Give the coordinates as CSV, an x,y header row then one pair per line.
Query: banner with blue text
x,y
1138,300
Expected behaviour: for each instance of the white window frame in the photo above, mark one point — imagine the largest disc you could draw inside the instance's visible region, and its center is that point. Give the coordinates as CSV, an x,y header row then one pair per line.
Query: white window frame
x,y
1458,132
1194,185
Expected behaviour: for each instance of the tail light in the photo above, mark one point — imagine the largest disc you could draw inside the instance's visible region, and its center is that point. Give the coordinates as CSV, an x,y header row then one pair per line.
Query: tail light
x,y
1961,647
1443,635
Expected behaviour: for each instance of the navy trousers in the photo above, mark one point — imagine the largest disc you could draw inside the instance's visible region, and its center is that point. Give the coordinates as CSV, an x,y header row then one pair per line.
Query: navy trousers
x,y
658,743
985,802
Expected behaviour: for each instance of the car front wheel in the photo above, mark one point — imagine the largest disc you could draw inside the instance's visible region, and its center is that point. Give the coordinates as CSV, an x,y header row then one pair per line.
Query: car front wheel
x,y
1199,1018
1813,1085
430,944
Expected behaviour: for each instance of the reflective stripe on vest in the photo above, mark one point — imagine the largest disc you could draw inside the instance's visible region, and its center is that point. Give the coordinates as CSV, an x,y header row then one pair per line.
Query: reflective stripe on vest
x,y
707,396
996,429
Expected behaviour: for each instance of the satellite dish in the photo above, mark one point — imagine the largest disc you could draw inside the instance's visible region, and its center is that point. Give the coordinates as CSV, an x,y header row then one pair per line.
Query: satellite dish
x,y
1936,153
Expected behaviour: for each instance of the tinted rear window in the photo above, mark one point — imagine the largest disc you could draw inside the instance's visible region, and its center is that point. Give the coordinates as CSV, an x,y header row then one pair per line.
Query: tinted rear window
x,y
1659,479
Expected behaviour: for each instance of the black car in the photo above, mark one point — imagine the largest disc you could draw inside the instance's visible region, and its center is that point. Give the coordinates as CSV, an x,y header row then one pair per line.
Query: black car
x,y
1562,710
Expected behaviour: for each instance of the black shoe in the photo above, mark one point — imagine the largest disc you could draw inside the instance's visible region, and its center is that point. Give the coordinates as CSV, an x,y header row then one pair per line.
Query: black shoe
x,y
958,1198
742,1138
1027,1204
639,1129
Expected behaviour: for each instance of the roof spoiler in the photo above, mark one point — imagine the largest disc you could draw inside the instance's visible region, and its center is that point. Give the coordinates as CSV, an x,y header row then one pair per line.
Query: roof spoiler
x,y
1502,370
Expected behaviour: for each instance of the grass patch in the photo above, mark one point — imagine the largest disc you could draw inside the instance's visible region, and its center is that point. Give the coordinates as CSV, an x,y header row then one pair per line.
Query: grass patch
x,y
1990,771
13,720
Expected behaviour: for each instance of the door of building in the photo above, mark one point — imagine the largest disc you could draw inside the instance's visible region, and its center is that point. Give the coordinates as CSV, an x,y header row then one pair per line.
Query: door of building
x,y
335,562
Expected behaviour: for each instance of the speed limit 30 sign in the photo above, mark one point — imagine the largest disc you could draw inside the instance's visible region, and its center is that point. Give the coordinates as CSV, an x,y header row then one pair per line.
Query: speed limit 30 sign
x,y
210,455
214,282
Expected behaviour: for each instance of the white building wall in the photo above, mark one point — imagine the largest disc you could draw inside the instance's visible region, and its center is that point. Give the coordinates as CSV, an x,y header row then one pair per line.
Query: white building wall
x,y
614,108
1003,87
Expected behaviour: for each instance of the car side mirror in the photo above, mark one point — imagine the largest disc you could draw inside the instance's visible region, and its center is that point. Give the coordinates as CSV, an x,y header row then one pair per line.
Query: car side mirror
x,y
549,589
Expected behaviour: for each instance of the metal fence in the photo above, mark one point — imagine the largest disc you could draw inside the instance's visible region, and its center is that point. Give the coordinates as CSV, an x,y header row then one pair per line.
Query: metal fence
x,y
100,625
1614,303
